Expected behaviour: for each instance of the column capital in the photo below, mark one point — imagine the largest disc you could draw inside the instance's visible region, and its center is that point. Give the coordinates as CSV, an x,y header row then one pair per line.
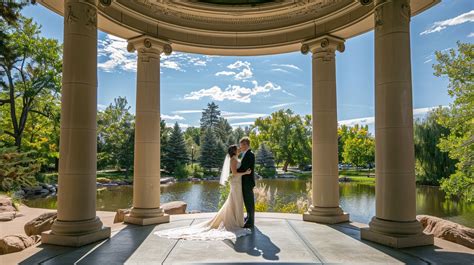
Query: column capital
x,y
325,43
149,44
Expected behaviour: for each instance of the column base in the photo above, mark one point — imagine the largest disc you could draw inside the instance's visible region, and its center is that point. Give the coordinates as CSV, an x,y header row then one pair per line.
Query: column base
x,y
326,215
139,216
396,234
49,237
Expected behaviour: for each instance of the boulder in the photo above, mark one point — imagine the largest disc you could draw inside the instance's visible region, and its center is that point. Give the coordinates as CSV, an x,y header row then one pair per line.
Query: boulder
x,y
15,243
40,224
7,210
174,207
120,215
447,230
5,201
7,216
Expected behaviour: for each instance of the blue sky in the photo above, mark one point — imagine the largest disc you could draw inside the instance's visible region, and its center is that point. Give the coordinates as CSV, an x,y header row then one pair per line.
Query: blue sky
x,y
246,88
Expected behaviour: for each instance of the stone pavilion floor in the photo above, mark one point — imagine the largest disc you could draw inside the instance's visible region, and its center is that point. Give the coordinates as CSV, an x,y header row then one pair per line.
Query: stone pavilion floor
x,y
281,238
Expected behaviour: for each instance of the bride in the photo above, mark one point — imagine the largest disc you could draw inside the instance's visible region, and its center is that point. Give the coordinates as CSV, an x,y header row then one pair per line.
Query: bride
x,y
228,222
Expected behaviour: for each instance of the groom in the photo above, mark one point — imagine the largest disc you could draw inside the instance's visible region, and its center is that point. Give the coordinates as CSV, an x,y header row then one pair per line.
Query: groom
x,y
248,181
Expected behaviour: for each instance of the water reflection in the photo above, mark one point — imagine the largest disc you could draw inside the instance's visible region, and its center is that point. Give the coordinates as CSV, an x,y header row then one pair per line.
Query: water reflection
x,y
358,199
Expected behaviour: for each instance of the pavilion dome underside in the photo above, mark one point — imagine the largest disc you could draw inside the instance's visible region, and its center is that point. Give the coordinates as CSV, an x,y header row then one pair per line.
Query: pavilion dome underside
x,y
236,27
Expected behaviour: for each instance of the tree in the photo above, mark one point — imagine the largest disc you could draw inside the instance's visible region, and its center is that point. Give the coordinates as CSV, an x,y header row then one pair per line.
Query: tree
x,y
238,134
224,131
9,16
265,162
17,169
359,150
286,134
175,151
29,75
432,164
194,134
164,138
457,66
210,116
210,152
116,136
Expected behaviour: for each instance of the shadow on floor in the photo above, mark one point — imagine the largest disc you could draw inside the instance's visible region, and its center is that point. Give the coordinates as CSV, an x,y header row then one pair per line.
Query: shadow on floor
x,y
121,246
255,244
423,254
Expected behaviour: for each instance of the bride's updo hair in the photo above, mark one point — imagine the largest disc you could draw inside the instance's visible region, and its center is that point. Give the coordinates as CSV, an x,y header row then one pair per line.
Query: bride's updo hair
x,y
232,150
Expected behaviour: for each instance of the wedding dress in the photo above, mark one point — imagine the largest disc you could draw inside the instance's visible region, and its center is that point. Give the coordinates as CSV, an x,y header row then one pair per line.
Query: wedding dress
x,y
226,224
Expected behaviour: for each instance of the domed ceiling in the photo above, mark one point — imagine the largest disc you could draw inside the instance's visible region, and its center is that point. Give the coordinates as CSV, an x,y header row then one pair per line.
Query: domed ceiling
x,y
236,27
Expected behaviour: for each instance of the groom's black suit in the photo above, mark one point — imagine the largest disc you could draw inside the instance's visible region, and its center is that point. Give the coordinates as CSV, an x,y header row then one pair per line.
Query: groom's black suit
x,y
248,182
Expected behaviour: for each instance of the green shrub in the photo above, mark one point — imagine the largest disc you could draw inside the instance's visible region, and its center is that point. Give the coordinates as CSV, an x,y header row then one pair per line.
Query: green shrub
x,y
17,169
181,171
195,171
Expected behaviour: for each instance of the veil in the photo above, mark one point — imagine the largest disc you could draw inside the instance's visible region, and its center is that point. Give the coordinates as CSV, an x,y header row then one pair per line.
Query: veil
x,y
225,170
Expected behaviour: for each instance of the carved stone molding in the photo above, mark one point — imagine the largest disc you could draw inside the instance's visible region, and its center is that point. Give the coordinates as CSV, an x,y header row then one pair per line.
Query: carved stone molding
x,y
325,44
84,12
105,3
192,11
324,47
149,45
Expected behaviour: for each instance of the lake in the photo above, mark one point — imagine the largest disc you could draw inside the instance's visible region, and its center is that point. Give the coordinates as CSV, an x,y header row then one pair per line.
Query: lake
x,y
358,199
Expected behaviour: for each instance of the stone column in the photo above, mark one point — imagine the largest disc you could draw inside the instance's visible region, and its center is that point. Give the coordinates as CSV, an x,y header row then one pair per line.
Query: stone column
x,y
325,205
395,221
77,223
146,178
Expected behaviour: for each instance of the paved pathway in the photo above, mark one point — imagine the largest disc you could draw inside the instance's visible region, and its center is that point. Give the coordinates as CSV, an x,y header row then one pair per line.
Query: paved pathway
x,y
278,237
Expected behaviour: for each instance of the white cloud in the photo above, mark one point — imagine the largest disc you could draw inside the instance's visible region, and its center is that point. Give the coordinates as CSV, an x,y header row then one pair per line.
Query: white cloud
x,y
291,66
183,126
246,73
417,113
288,93
113,56
113,53
241,115
169,117
280,70
471,35
186,111
232,92
238,65
441,25
282,105
244,70
427,61
101,107
225,73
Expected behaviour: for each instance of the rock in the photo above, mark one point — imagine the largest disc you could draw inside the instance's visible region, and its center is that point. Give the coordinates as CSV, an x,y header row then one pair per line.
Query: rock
x,y
7,216
447,230
5,201
15,243
175,207
120,215
40,224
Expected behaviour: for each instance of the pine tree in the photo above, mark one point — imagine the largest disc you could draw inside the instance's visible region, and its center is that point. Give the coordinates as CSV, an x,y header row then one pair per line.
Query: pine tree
x,y
265,161
210,116
224,131
211,150
175,151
